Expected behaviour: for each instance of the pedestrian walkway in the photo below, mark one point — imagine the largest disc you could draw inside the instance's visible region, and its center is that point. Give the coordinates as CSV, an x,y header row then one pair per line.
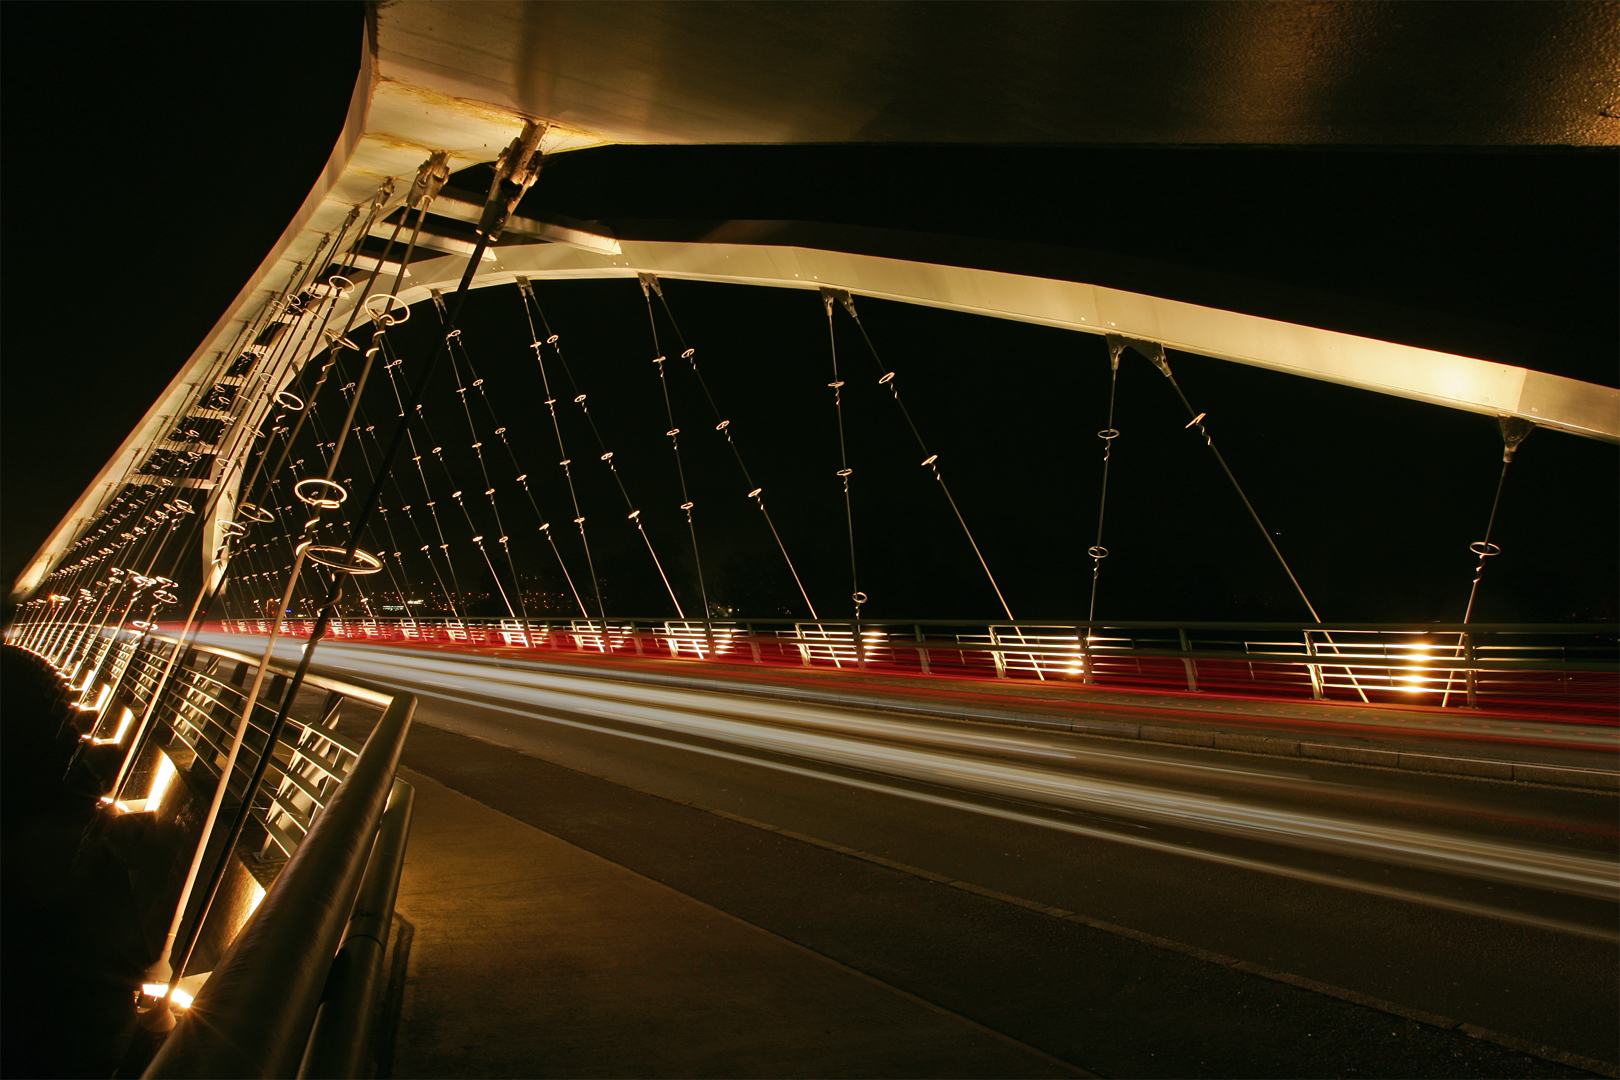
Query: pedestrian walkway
x,y
533,957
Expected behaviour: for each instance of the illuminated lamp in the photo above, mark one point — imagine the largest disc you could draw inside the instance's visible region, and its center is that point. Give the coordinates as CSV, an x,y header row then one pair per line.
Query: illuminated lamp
x,y
123,729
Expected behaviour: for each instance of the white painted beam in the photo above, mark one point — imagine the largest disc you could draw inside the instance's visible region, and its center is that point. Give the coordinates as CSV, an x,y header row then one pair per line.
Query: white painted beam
x,y
1447,379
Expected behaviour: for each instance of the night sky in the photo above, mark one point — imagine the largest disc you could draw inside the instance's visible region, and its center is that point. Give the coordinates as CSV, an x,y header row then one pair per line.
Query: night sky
x,y
1508,256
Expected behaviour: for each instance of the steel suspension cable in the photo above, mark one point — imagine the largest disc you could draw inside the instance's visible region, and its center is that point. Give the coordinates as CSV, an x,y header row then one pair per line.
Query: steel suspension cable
x,y
527,298
489,485
674,434
515,172
522,478
427,494
844,471
1156,355
606,455
724,427
1514,432
930,459
410,516
1197,421
1108,434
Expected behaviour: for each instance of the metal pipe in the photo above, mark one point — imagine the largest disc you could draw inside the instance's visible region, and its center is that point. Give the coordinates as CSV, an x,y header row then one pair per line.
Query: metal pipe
x,y
342,1033
253,1015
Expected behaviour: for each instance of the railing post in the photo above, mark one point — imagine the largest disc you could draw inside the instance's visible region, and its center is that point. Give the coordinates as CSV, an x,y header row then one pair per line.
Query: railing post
x,y
1189,663
1317,691
1469,674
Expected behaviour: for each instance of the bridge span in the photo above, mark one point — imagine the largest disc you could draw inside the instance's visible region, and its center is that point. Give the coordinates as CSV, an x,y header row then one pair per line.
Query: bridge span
x,y
464,673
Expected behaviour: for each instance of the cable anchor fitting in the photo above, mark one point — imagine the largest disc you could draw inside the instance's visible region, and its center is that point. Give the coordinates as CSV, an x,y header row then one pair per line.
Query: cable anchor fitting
x,y
1515,429
431,176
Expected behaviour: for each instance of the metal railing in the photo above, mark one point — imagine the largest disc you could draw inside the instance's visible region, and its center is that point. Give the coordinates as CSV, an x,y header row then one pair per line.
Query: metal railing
x,y
156,722
1573,668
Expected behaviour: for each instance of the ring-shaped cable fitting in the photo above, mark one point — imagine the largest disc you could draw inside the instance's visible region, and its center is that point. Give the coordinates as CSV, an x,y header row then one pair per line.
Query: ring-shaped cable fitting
x,y
233,528
755,493
887,378
1097,551
255,513
688,354
339,341
1108,434
860,598
326,494
364,562
180,506
339,284
288,401
1484,549
929,460
163,596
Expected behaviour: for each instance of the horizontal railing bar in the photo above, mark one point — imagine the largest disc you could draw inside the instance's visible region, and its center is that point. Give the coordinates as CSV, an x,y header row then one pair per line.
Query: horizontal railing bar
x,y
357,691
290,776
1072,650
328,768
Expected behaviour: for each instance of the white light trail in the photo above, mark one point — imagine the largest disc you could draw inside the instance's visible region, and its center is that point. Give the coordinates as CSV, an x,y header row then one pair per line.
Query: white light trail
x,y
890,747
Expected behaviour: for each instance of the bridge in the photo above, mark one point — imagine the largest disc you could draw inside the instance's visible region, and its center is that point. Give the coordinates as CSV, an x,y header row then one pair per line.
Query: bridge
x,y
513,644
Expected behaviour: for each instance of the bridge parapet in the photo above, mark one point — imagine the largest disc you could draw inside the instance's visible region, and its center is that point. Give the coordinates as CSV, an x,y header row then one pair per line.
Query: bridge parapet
x,y
270,896
1552,669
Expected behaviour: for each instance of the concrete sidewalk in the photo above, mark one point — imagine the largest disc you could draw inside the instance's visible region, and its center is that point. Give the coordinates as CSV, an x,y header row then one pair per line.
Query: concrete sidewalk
x,y
533,957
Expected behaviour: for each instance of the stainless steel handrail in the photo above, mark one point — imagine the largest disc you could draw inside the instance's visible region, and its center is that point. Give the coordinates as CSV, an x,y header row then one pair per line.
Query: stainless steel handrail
x,y
255,1014
279,961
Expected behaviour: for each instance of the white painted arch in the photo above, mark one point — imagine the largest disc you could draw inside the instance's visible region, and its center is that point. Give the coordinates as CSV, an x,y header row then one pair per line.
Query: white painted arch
x,y
1446,379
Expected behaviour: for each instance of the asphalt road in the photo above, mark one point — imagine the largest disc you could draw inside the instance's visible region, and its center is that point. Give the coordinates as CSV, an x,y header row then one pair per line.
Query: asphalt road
x,y
1488,903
